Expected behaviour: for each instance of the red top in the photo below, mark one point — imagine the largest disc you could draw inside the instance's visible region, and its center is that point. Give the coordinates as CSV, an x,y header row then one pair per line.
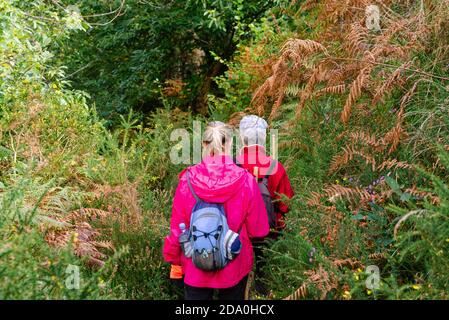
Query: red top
x,y
278,182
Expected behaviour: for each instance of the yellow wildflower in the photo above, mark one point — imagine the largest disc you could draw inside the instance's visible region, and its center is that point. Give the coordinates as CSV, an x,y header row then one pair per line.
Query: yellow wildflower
x,y
369,292
347,295
416,286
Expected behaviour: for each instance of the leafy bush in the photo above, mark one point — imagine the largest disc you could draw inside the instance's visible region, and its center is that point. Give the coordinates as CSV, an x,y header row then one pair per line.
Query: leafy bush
x,y
360,116
363,124
68,187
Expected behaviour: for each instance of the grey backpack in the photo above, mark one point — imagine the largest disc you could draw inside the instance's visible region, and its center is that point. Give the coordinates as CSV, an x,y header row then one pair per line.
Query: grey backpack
x,y
212,242
267,199
266,196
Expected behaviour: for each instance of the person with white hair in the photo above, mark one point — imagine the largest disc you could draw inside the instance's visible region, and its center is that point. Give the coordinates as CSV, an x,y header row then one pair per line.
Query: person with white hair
x,y
272,180
253,130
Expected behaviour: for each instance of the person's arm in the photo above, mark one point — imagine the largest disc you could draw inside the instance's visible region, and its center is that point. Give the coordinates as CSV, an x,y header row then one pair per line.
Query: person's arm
x,y
282,188
257,219
172,249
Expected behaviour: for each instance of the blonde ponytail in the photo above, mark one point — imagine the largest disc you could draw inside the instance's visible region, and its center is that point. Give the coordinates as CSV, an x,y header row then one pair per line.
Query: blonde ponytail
x,y
217,139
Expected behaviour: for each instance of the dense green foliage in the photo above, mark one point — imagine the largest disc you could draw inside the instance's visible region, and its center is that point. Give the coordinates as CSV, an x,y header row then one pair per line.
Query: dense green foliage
x,y
358,202
146,48
57,157
86,181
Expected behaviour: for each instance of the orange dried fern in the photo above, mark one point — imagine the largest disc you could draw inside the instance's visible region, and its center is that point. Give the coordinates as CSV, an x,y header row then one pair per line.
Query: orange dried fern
x,y
78,231
355,92
394,136
348,155
393,79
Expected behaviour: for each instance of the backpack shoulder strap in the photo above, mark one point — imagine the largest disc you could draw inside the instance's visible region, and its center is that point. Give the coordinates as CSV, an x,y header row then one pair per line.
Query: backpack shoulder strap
x,y
190,187
236,162
270,169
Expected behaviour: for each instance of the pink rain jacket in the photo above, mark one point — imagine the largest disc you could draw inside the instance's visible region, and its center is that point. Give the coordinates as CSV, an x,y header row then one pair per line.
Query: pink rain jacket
x,y
218,180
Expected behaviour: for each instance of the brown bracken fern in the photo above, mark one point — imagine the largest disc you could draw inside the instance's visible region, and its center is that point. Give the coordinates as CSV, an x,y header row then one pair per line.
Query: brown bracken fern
x,y
82,235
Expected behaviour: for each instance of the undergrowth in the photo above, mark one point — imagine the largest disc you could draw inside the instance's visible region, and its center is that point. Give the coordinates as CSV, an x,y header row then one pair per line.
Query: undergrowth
x,y
363,124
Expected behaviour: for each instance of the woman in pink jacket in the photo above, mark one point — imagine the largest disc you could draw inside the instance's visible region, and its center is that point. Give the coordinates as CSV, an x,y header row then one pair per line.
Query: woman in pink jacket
x,y
218,180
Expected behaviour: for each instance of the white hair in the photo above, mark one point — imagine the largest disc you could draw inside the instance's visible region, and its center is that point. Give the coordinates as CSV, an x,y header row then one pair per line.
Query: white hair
x,y
253,130
217,139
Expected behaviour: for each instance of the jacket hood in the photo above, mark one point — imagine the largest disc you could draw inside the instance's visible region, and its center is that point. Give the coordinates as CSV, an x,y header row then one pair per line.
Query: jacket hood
x,y
216,179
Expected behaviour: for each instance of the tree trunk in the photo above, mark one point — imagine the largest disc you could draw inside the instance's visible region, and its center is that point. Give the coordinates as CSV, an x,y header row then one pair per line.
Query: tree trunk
x,y
201,104
215,70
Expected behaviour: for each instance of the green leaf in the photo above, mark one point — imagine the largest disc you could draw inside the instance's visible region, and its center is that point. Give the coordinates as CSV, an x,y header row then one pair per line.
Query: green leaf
x,y
5,251
375,207
373,217
358,216
394,185
5,152
405,197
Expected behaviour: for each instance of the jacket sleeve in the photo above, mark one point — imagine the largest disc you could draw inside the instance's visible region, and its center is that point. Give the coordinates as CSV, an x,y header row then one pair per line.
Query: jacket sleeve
x,y
256,219
282,188
172,249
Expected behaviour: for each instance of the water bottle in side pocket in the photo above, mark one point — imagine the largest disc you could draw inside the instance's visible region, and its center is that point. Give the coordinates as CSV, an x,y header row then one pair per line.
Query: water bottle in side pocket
x,y
184,240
